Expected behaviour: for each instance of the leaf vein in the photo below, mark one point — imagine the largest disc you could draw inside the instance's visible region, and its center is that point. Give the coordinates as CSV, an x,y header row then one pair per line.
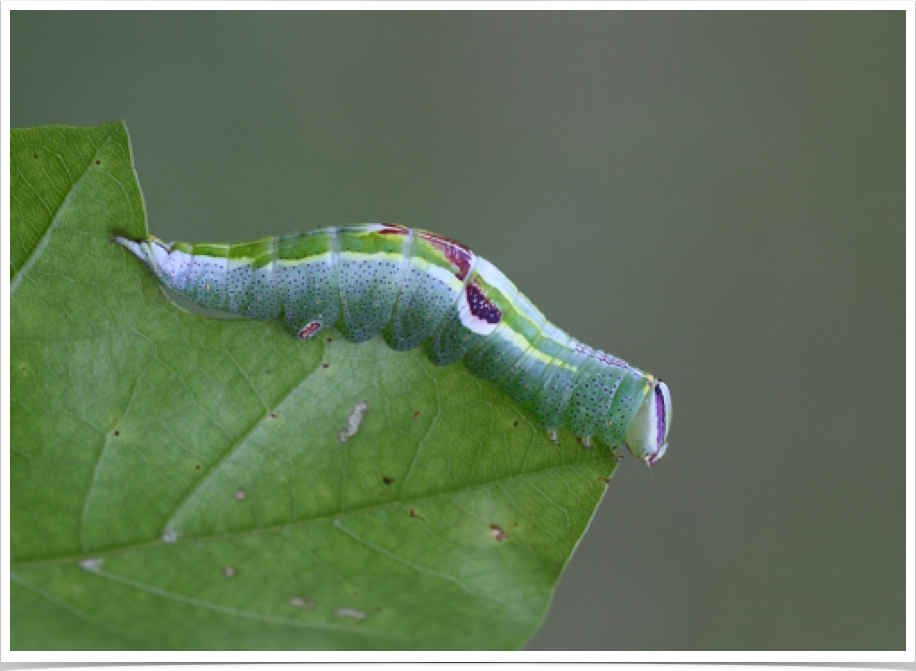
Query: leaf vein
x,y
55,220
73,610
415,567
234,612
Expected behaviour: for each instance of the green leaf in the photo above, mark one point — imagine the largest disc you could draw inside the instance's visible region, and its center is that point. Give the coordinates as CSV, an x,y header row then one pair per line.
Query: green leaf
x,y
180,482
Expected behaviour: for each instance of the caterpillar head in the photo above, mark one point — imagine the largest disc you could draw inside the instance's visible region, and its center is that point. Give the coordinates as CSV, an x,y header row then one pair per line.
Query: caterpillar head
x,y
647,437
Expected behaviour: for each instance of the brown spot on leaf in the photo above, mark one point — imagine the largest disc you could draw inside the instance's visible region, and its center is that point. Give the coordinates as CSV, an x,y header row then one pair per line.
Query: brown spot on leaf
x,y
387,480
498,533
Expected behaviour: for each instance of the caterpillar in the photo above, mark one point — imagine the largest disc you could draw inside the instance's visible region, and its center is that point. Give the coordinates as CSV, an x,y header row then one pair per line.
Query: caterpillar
x,y
418,288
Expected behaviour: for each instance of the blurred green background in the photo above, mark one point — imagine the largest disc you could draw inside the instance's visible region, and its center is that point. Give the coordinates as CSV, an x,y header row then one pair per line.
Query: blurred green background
x,y
717,197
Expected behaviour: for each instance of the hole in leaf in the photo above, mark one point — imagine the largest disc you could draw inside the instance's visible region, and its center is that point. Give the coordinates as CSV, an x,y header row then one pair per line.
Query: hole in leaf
x,y
350,612
353,421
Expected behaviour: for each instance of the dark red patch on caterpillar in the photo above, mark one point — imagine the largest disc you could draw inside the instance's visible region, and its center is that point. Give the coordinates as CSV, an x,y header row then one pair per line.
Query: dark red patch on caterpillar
x,y
310,330
457,254
393,229
480,305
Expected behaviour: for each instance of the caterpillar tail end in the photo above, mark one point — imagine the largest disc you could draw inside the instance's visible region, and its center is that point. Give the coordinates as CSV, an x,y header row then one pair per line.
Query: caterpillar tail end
x,y
131,245
145,250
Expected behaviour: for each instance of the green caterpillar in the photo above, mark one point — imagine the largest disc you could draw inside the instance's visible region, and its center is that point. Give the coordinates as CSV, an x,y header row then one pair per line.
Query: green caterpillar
x,y
419,288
